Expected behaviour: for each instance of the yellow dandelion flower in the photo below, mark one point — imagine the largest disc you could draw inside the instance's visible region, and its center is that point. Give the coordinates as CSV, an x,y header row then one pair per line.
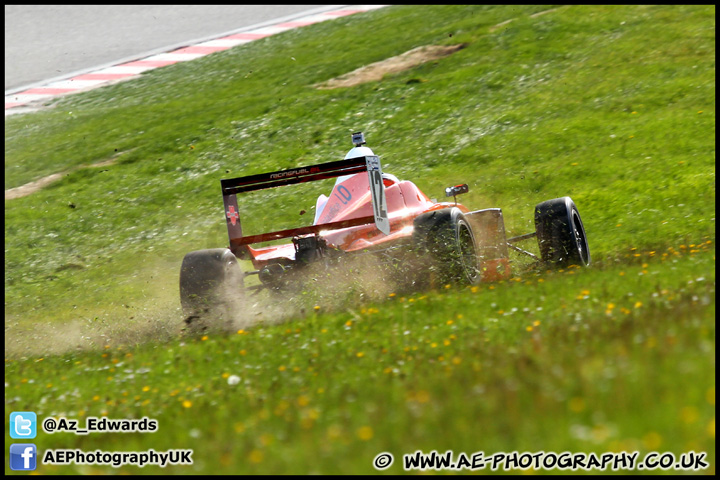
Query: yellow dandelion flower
x,y
266,439
365,433
529,328
638,304
577,404
536,323
205,337
282,368
360,354
256,456
652,441
334,432
316,307
187,403
600,433
689,414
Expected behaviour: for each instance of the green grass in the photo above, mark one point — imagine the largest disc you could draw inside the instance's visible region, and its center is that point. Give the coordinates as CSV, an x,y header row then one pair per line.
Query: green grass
x,y
608,359
612,105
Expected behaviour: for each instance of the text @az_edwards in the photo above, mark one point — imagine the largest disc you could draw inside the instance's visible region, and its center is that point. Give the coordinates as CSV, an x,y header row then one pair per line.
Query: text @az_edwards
x,y
100,425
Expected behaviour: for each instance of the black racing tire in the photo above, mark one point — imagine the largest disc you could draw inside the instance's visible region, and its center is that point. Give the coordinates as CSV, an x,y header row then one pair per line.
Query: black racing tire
x,y
211,287
446,241
560,233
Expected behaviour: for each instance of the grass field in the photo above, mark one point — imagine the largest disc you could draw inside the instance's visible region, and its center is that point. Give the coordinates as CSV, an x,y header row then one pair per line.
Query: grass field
x,y
612,105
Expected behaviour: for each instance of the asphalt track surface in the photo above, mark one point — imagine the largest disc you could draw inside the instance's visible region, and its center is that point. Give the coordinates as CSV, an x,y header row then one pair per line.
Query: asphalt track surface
x,y
46,42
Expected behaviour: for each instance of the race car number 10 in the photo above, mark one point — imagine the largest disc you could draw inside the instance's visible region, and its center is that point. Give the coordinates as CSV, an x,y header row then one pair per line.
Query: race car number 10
x,y
377,190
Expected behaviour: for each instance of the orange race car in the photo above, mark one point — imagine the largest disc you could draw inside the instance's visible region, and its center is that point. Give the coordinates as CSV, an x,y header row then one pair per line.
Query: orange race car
x,y
369,211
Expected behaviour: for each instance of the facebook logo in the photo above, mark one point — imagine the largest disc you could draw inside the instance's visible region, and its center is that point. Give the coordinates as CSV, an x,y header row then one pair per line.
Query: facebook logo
x,y
23,425
23,456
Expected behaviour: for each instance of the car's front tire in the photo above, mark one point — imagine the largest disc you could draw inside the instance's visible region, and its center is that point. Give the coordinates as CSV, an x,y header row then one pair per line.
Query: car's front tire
x,y
560,233
446,240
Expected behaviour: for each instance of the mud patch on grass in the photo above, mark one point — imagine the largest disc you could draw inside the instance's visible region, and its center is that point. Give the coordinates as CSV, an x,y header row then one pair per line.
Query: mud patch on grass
x,y
405,61
34,186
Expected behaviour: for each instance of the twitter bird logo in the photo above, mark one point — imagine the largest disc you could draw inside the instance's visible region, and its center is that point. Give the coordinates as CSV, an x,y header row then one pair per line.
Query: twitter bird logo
x,y
23,425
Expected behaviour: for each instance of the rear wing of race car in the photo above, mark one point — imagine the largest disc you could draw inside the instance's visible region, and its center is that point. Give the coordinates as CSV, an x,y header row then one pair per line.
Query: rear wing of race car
x,y
231,187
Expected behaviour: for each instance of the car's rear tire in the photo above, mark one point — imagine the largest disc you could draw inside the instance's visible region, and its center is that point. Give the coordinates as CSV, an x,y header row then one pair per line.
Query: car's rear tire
x,y
560,233
446,241
211,287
